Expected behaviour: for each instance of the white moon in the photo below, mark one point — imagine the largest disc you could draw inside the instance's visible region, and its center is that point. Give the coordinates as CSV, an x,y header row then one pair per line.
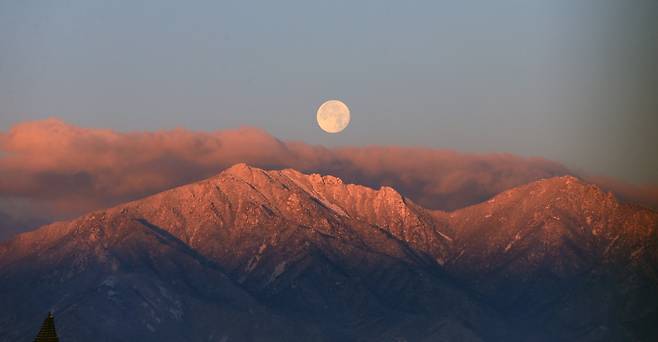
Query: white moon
x,y
333,116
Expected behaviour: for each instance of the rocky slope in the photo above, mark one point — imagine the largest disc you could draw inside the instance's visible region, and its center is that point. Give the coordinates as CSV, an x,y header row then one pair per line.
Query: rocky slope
x,y
278,255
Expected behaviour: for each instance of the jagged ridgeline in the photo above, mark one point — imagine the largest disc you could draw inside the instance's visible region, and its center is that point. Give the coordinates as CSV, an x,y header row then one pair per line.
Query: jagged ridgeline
x,y
254,255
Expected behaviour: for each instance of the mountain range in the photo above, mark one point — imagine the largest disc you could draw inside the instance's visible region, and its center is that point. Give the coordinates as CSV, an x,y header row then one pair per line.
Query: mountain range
x,y
255,255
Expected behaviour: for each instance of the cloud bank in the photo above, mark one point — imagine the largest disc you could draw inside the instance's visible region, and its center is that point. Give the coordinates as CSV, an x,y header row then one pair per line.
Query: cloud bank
x,y
61,170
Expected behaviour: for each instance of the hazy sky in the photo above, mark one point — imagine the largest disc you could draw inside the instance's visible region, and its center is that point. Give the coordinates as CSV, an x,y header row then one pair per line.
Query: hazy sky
x,y
572,81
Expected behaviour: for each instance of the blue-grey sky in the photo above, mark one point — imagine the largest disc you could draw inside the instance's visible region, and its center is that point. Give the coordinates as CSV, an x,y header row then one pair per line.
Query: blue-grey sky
x,y
572,81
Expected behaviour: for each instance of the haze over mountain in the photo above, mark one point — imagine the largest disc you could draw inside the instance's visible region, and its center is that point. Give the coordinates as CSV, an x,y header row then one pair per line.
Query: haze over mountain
x,y
51,169
262,255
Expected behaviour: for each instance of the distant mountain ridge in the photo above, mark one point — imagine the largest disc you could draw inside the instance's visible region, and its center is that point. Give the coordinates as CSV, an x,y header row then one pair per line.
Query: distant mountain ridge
x,y
279,255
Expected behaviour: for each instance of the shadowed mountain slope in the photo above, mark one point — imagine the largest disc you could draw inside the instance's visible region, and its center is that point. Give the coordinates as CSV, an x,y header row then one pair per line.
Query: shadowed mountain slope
x,y
279,255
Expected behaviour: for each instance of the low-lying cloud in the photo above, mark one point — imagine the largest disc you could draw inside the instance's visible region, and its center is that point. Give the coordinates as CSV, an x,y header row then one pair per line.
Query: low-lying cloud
x,y
63,170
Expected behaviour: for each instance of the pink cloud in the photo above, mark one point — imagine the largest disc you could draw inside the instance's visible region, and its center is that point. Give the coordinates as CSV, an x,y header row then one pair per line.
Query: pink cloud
x,y
64,170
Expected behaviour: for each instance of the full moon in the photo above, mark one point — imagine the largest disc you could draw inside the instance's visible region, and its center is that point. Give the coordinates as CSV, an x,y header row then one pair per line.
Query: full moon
x,y
333,116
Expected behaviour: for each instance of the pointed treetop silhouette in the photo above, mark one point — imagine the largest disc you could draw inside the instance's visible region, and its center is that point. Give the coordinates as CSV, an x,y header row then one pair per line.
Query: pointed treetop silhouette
x,y
47,332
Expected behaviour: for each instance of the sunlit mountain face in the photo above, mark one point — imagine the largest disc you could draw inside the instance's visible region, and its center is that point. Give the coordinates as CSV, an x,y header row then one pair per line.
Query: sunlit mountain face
x,y
255,255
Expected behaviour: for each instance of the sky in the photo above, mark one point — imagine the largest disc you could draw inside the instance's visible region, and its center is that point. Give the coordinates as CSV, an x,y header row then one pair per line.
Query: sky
x,y
570,81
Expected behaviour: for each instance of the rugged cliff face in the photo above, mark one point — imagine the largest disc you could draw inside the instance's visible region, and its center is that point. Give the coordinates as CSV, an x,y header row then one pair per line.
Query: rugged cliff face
x,y
278,255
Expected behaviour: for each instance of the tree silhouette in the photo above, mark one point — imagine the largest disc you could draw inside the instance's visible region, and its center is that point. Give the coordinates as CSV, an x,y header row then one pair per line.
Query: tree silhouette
x,y
47,332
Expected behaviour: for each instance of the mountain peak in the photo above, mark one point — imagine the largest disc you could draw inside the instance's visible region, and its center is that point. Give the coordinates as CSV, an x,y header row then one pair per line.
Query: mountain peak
x,y
566,180
239,169
314,178
562,188
328,179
